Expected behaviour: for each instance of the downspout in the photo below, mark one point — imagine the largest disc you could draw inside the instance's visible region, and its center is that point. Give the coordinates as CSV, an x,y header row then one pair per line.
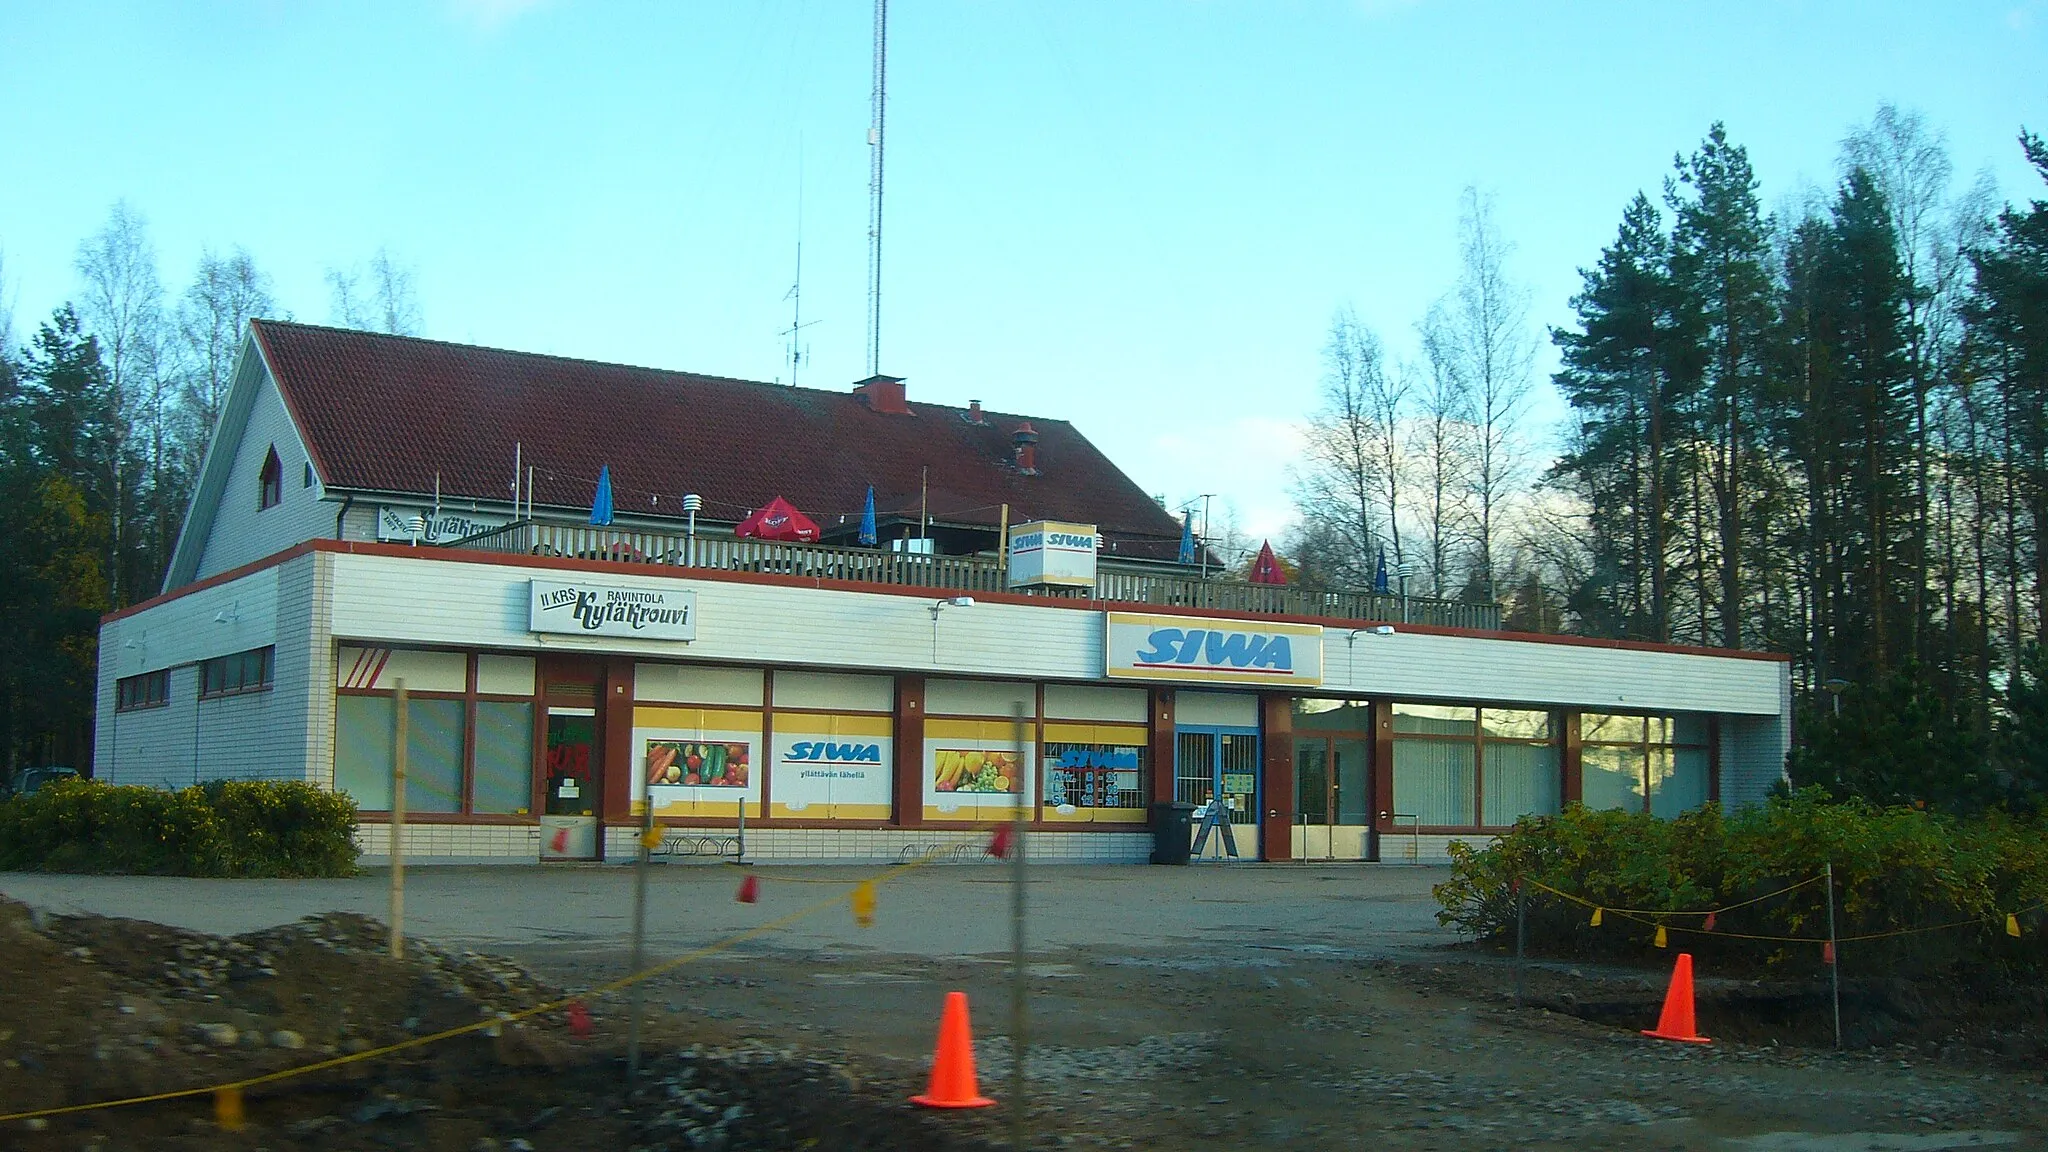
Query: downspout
x,y
346,502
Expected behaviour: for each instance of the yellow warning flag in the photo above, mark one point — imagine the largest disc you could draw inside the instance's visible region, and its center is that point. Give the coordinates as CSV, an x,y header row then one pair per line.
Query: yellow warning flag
x,y
651,839
864,904
1595,921
2012,924
227,1108
1662,939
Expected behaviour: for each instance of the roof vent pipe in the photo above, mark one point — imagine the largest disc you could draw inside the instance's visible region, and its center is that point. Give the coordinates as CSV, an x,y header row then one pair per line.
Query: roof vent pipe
x,y
1025,439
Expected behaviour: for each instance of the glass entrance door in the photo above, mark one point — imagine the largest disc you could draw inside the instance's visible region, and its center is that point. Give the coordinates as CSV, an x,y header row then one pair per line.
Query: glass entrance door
x,y
568,826
1332,800
1217,770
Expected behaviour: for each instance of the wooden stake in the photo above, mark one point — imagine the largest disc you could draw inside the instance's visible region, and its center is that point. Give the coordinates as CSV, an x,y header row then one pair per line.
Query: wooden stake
x,y
1020,1042
398,728
1834,953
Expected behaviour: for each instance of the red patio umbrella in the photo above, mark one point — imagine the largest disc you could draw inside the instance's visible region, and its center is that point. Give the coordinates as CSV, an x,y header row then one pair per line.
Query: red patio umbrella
x,y
1266,569
778,521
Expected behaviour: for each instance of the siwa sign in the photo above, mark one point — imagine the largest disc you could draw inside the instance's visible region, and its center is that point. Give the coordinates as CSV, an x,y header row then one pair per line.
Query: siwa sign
x,y
601,610
1194,649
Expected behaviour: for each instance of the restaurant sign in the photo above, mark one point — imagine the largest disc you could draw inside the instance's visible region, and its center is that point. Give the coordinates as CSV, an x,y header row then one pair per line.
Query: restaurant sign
x,y
605,610
442,527
1201,650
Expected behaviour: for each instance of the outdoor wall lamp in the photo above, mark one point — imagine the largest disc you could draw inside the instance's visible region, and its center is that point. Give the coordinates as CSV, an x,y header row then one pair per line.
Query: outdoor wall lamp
x,y
951,602
229,615
1351,645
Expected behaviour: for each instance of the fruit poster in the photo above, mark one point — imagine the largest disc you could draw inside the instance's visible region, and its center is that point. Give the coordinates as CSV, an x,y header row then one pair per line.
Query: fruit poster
x,y
708,764
976,770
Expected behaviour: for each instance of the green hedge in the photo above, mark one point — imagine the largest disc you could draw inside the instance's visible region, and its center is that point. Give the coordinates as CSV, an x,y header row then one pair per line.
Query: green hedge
x,y
1895,869
224,828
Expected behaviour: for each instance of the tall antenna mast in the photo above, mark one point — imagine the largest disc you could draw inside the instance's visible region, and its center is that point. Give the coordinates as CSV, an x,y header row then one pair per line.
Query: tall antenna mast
x,y
875,190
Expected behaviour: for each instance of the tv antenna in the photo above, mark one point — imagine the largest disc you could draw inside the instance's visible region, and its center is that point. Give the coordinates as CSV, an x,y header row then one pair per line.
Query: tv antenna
x,y
799,352
875,189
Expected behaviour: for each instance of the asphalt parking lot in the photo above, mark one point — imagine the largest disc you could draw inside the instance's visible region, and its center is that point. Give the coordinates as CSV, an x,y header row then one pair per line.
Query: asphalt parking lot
x,y
936,911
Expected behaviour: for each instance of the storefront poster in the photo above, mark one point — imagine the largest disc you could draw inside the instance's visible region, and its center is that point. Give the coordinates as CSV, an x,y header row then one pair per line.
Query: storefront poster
x,y
696,761
832,767
974,769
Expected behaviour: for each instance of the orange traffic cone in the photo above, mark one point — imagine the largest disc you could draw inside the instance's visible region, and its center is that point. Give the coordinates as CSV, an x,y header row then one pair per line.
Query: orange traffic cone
x,y
952,1084
1676,1023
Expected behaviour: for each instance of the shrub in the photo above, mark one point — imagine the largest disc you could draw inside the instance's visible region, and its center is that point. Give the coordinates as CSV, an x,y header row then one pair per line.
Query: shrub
x,y
225,828
1936,888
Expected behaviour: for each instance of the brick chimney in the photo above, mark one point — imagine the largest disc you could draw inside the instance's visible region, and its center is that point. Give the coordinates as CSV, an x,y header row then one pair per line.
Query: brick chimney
x,y
974,412
1026,440
883,394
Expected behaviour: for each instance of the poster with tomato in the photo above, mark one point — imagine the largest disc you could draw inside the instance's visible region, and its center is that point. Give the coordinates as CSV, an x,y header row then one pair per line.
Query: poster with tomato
x,y
698,764
976,770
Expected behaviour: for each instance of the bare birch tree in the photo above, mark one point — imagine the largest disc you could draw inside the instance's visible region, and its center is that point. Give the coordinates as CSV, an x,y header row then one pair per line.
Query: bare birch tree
x,y
226,292
1437,445
380,298
1487,322
122,306
1348,488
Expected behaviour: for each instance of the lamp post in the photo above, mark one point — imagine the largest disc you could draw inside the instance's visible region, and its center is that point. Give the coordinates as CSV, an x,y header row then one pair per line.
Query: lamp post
x,y
1835,687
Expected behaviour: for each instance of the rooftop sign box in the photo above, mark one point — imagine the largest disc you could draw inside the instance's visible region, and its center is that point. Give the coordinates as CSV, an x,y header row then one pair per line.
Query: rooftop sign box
x,y
601,610
1052,552
1197,650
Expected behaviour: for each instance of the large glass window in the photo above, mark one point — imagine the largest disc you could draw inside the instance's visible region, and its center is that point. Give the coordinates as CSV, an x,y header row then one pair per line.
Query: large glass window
x,y
149,690
1457,766
433,755
364,733
503,774
467,749
1655,764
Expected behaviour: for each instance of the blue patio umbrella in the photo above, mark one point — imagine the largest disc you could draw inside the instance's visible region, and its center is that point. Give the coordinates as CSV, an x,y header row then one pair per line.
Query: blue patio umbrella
x,y
601,504
867,519
1379,576
1187,538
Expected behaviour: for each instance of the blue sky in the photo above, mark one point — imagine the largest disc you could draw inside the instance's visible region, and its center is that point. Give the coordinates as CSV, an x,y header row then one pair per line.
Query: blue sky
x,y
1134,214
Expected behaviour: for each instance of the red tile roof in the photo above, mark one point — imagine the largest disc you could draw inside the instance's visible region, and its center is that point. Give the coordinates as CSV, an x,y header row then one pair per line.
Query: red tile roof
x,y
388,413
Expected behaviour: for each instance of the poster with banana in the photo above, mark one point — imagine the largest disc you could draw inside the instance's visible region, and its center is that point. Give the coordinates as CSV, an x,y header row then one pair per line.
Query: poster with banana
x,y
976,770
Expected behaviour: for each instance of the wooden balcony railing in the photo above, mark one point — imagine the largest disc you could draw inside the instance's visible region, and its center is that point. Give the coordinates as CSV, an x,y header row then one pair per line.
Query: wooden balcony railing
x,y
1118,582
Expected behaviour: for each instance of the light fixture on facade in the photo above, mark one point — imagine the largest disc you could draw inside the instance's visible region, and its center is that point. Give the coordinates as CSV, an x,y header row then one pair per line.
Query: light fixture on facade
x,y
951,602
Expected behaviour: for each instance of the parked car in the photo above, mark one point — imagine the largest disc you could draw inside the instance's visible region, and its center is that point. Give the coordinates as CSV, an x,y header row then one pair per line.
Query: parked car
x,y
28,780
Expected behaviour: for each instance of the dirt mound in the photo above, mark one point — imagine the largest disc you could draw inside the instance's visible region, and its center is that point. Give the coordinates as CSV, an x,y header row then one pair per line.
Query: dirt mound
x,y
101,1009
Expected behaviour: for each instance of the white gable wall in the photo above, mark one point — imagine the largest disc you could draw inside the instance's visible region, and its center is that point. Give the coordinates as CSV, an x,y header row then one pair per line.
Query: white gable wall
x,y
241,532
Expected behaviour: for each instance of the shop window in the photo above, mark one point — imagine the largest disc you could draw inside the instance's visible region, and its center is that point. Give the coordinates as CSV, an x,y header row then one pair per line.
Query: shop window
x,y
250,671
447,770
364,733
433,755
271,480
149,690
503,782
1095,772
1463,767
1654,764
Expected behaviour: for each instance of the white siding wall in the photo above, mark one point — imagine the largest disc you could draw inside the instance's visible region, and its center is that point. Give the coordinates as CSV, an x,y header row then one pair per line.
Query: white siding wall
x,y
241,532
259,735
442,602
1753,751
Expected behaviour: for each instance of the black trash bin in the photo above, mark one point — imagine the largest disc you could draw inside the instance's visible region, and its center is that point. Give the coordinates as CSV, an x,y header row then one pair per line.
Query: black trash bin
x,y
1173,832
